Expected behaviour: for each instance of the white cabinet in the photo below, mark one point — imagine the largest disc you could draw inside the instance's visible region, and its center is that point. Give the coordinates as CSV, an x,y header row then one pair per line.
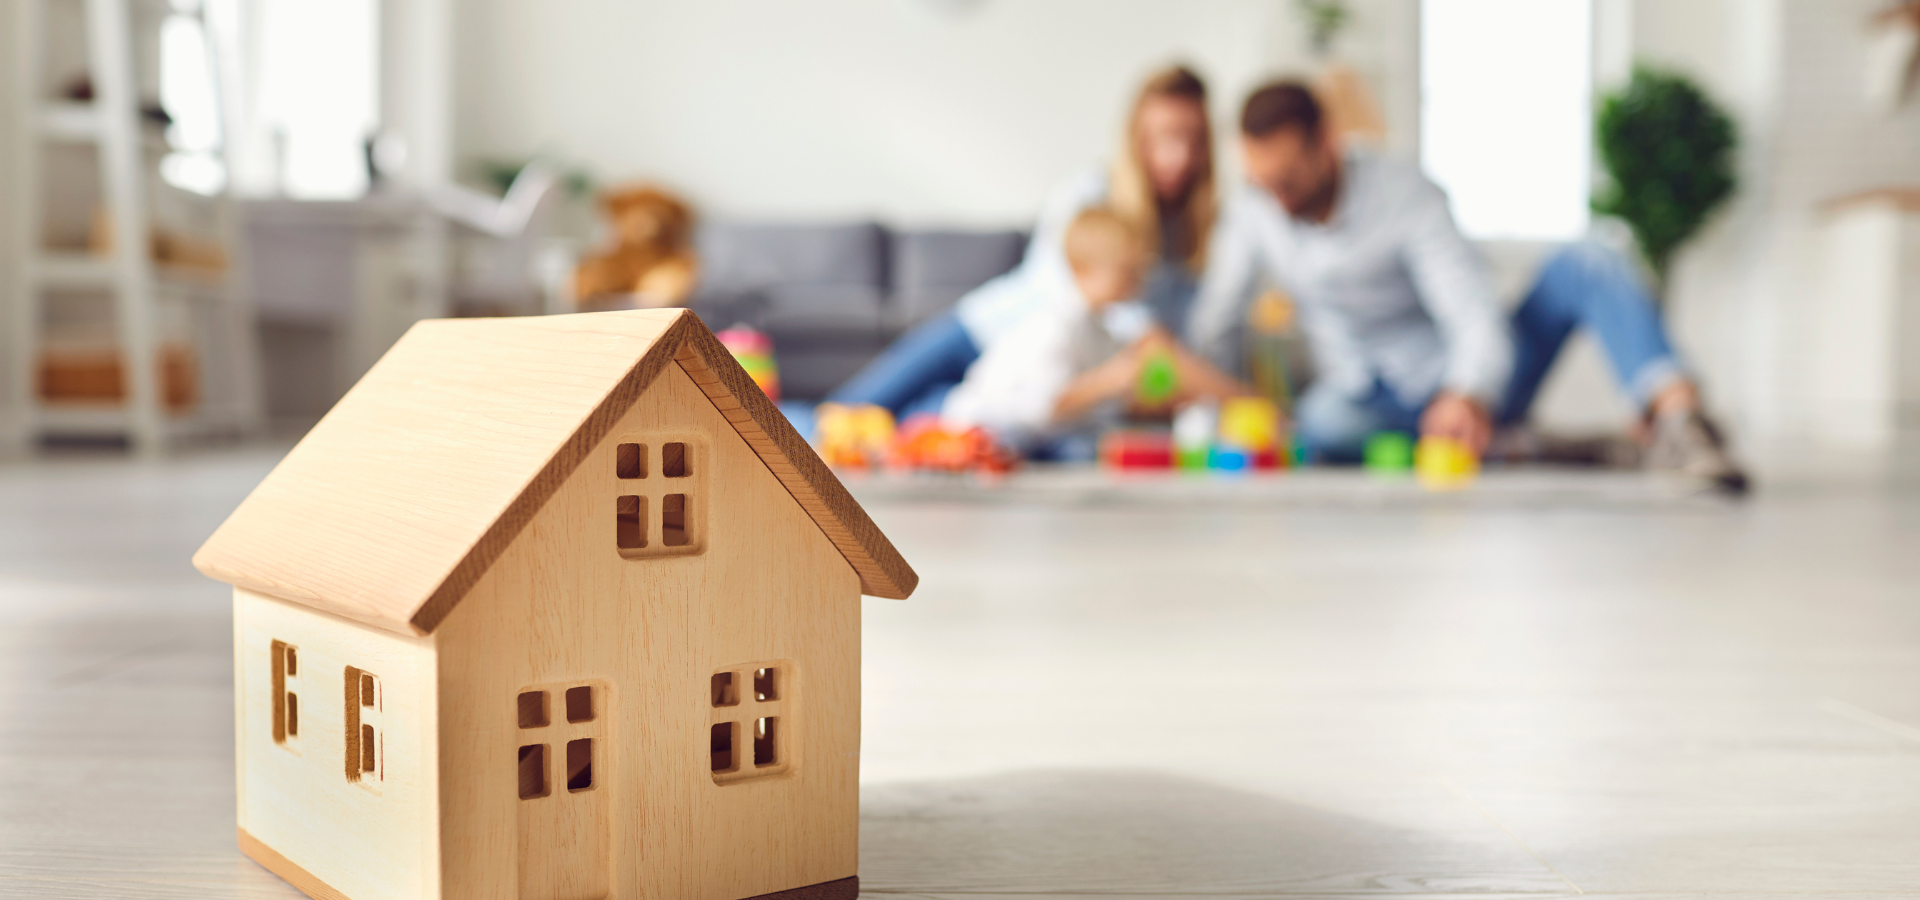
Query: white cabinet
x,y
1865,340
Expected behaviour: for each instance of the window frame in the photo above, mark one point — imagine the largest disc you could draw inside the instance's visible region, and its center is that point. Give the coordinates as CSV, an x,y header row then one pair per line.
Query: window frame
x,y
366,728
743,715
558,730
652,486
284,683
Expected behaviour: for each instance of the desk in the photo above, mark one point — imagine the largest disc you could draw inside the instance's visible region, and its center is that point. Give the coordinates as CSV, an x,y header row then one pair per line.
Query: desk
x,y
359,271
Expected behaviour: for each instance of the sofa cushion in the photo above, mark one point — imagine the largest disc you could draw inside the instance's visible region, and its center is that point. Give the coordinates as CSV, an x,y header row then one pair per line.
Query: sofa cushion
x,y
822,314
737,256
813,374
932,268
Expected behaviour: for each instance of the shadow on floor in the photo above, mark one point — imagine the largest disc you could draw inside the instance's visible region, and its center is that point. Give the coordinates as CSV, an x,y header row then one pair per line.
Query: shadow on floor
x,y
1137,832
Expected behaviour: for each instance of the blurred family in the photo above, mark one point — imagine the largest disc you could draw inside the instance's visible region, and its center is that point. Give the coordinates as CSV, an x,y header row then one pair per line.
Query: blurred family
x,y
1147,258
1053,382
1161,185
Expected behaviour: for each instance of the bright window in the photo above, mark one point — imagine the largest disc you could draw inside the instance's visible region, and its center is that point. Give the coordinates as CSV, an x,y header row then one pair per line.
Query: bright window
x,y
317,94
1506,113
190,94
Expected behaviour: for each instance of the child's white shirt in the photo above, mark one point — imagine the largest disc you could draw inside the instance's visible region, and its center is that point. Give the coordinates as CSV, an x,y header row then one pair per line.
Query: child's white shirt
x,y
1013,388
1042,280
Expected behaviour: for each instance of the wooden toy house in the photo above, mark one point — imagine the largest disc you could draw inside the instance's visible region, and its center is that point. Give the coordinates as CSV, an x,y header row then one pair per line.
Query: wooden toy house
x,y
552,608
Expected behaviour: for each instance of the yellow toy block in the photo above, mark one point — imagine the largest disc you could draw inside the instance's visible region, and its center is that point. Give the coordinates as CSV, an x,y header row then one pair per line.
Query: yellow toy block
x,y
1249,423
1444,464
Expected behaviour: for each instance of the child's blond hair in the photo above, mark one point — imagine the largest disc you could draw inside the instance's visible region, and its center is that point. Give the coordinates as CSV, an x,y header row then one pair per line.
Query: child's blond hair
x,y
1100,235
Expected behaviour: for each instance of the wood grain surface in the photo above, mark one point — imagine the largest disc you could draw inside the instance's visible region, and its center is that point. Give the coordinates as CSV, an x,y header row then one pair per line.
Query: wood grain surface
x,y
398,501
563,607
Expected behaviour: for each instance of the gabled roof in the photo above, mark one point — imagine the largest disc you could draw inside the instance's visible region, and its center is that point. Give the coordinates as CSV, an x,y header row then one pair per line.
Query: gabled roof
x,y
392,507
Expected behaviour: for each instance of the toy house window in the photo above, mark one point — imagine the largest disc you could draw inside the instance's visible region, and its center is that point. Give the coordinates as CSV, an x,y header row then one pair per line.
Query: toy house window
x,y
365,727
720,748
579,765
580,704
764,731
673,460
630,527
673,520
630,461
750,735
663,515
577,716
533,709
286,700
533,771
724,692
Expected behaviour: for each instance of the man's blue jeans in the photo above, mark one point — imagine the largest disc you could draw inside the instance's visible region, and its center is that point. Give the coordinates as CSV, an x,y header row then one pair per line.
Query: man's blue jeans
x,y
1581,285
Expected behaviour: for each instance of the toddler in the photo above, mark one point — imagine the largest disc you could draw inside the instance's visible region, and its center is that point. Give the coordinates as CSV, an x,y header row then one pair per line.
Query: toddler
x,y
1073,367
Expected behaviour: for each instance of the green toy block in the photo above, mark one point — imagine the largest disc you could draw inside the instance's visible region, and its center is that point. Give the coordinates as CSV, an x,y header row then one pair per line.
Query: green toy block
x,y
1157,379
1389,451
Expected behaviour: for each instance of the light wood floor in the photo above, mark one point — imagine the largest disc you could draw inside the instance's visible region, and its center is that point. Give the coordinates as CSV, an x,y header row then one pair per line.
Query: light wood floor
x,y
1548,687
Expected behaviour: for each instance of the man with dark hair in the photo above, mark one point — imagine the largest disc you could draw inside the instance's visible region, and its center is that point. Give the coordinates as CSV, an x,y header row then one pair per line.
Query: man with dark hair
x,y
1399,310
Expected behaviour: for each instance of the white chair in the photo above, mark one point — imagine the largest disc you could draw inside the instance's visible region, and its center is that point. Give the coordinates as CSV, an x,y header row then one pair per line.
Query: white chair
x,y
497,250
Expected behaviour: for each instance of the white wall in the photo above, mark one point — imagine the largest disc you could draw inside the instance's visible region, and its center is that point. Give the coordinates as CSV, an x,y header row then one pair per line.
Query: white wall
x,y
1746,294
898,108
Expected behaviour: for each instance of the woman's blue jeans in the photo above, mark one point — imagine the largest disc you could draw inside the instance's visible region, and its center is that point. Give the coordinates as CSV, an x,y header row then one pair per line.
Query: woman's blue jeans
x,y
1582,285
914,374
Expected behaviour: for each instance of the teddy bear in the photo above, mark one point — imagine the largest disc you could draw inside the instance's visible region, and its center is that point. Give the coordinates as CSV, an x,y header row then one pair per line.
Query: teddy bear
x,y
651,263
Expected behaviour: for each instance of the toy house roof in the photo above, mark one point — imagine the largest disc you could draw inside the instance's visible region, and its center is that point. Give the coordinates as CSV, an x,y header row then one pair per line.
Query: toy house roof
x,y
397,502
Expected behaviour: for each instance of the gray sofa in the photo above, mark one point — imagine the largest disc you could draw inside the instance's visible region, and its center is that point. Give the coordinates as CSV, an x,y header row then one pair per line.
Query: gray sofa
x,y
832,296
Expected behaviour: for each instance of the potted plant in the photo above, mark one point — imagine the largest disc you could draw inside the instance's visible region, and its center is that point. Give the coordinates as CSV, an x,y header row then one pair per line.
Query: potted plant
x,y
1667,150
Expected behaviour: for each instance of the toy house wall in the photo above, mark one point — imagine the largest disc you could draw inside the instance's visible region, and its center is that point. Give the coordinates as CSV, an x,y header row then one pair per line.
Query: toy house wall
x,y
562,607
370,839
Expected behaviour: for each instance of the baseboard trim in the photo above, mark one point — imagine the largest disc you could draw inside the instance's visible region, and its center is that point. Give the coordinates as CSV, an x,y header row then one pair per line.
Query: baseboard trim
x,y
843,889
271,860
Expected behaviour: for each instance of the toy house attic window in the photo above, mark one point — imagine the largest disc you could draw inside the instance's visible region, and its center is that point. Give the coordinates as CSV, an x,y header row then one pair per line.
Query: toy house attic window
x,y
673,460
630,525
630,461
658,487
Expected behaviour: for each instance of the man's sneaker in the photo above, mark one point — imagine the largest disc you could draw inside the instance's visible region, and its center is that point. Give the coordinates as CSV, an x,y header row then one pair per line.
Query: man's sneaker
x,y
1688,443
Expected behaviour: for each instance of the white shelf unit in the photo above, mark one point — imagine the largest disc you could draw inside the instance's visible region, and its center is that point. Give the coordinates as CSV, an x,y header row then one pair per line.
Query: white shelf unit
x,y
218,319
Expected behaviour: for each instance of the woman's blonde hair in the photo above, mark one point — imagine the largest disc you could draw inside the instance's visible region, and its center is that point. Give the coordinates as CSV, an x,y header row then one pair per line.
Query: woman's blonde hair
x,y
1131,194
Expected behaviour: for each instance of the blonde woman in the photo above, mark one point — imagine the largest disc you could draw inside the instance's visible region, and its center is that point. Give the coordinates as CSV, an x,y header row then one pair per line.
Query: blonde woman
x,y
1161,182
